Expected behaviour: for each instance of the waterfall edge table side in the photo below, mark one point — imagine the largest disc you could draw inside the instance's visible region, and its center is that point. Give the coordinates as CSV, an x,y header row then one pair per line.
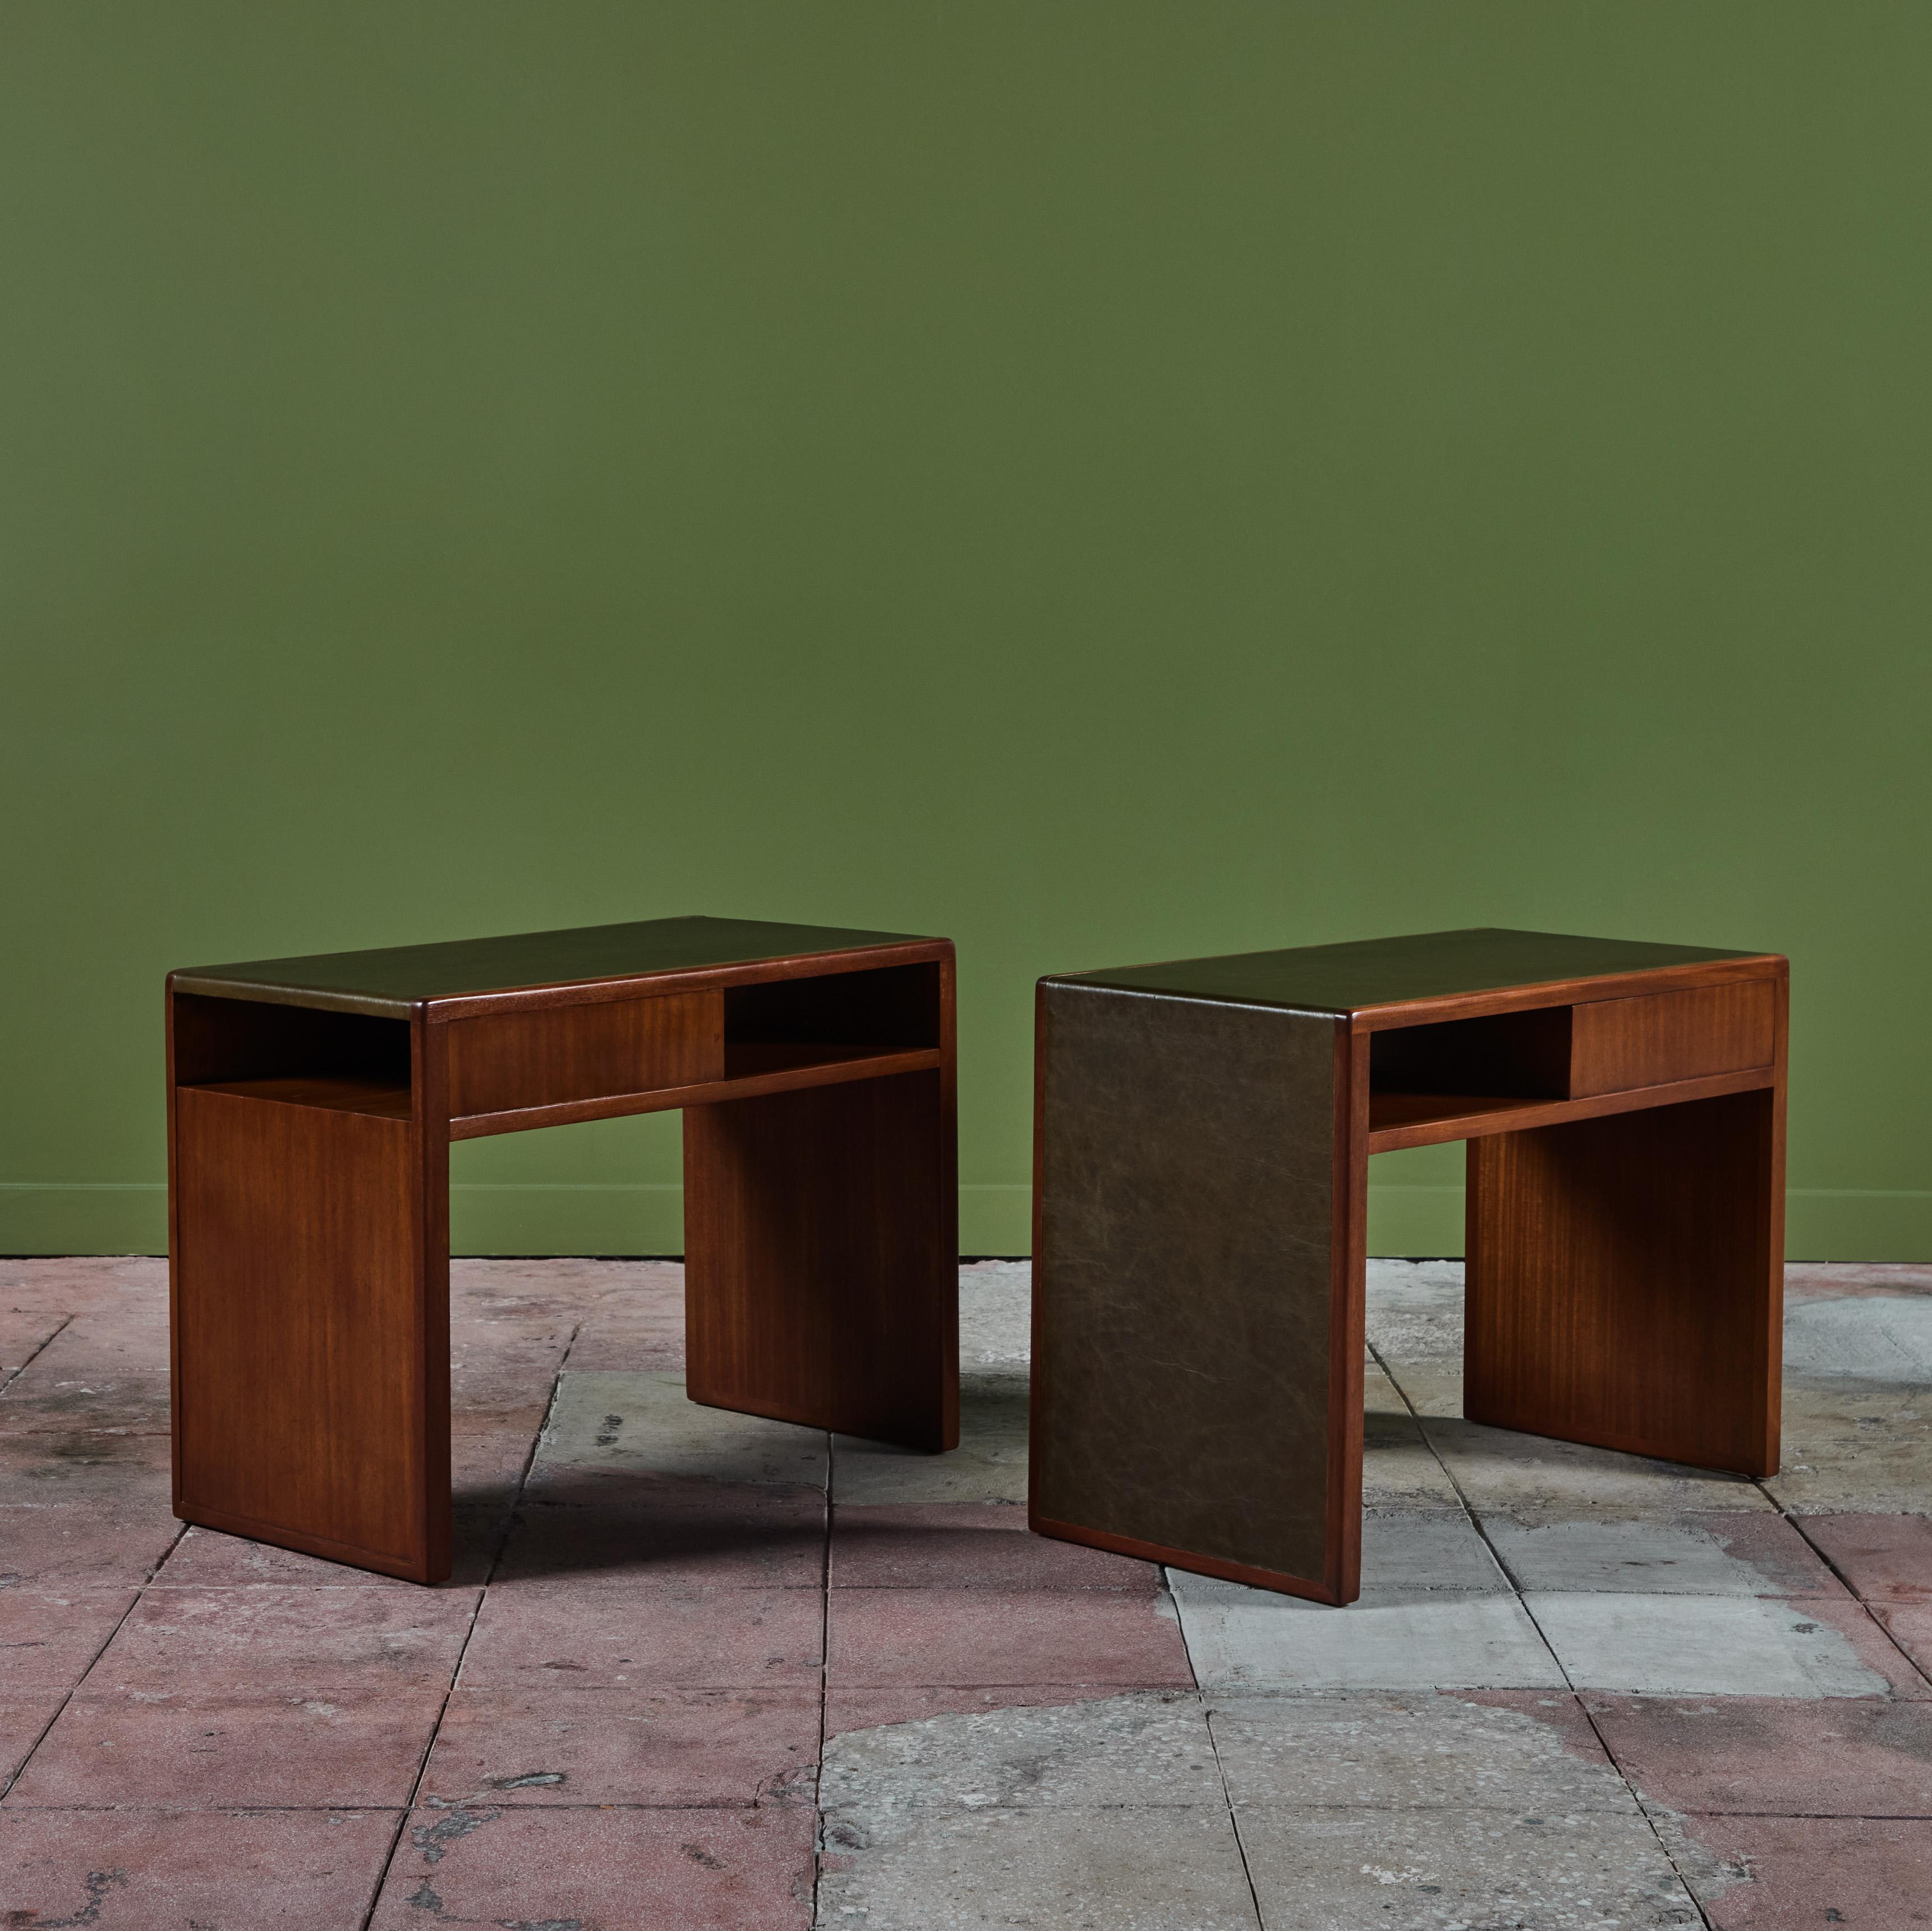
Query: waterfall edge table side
x,y
1202,1136
311,1105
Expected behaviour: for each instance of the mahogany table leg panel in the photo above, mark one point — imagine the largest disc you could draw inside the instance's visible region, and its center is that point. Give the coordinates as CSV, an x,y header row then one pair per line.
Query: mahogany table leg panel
x,y
1187,1264
1624,1282
821,1253
303,1321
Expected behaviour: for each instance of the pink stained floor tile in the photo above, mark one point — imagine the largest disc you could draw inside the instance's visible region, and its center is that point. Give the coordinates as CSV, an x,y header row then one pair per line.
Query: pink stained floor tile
x,y
977,1637
135,1285
488,1334
1809,1871
1910,1625
491,1371
491,1459
869,1709
609,1343
98,1408
23,1717
41,1468
633,1531
123,1540
560,1289
278,1640
517,1410
50,1635
603,1869
343,1750
102,1345
79,1505
1843,1756
530,1635
626,1745
24,1332
1772,1545
1877,1644
133,1870
207,1559
1839,1280
1884,1557
969,1545
486,1503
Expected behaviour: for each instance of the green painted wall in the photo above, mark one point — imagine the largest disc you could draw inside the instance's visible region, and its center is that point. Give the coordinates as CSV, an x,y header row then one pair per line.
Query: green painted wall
x,y
1103,481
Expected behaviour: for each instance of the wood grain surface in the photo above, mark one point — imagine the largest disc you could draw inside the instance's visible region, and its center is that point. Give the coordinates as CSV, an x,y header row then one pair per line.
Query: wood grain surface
x,y
303,1414
821,1259
1624,1281
1616,1043
308,1203
511,1062
1625,1245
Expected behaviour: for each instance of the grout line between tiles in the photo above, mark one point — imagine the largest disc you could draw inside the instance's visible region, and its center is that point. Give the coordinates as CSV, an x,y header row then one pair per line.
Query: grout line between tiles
x,y
1227,1791
1851,1588
1213,1747
1510,1576
824,1678
470,1629
181,1529
719,1804
66,1321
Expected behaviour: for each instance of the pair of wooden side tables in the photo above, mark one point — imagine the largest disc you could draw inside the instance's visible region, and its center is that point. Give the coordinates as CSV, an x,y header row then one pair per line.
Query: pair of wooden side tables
x,y
1202,1149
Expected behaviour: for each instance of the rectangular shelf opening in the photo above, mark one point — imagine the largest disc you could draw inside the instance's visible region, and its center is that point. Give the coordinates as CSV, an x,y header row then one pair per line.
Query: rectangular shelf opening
x,y
298,1055
1423,1080
790,1024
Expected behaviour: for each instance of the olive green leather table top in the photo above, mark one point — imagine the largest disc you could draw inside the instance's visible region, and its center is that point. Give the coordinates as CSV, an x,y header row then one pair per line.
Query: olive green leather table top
x,y
390,979
1204,1132
1363,973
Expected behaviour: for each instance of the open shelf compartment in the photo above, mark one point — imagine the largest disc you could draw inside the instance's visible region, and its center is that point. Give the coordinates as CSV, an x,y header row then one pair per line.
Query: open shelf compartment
x,y
1444,1081
296,1055
789,1025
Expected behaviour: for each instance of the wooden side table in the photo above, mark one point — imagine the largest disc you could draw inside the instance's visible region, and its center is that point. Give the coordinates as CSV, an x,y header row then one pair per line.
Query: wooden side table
x,y
311,1103
1202,1142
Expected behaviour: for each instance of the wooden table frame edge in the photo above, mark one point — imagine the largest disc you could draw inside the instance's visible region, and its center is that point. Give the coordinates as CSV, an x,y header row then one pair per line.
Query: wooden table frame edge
x,y
424,1437
1353,1142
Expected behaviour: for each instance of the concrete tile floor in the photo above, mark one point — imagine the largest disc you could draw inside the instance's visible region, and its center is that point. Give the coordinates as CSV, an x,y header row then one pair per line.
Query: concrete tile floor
x,y
696,1669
